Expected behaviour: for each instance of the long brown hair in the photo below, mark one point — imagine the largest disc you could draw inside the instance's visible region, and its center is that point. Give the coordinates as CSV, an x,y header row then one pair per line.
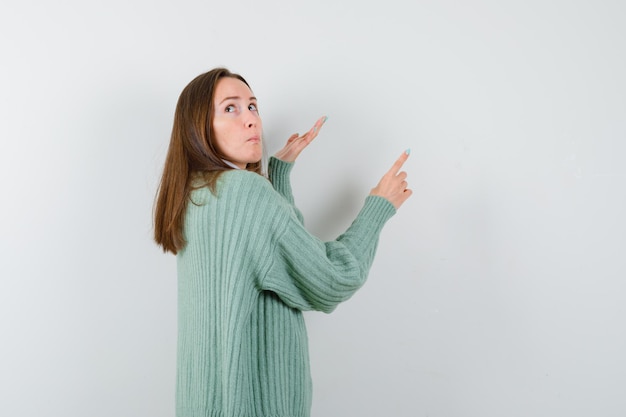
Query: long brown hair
x,y
192,154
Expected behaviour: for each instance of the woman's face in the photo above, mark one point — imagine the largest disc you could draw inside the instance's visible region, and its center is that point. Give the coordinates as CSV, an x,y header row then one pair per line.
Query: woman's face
x,y
236,123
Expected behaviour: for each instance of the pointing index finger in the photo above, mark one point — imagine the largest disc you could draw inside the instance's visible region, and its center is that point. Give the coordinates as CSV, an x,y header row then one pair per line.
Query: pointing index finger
x,y
399,162
319,123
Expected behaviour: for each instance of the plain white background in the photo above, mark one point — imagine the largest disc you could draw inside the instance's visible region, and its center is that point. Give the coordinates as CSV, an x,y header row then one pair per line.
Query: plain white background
x,y
498,288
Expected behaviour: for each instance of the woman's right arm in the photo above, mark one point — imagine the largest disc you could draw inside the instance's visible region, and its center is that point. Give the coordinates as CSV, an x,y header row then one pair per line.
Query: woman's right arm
x,y
309,274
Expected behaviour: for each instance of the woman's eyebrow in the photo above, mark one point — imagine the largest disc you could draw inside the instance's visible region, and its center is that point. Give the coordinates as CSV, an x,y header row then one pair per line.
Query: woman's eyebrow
x,y
236,98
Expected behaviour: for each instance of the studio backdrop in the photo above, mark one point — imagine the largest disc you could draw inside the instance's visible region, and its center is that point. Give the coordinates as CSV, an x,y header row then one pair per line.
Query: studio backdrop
x,y
498,289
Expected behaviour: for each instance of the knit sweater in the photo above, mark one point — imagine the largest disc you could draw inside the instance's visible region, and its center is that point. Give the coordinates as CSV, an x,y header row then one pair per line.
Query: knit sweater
x,y
248,271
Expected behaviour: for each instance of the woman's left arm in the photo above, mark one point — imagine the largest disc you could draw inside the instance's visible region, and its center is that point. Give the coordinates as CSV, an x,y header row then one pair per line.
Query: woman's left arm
x,y
280,165
296,143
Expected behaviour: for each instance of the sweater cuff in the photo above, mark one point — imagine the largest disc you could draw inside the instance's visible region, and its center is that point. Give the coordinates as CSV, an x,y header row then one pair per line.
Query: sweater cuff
x,y
278,168
378,209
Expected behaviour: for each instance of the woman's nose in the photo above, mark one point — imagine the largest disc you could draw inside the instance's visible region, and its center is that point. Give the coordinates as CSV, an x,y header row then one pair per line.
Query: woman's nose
x,y
251,119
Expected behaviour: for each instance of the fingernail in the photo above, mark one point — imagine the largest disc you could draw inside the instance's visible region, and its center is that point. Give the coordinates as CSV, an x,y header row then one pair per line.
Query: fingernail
x,y
325,118
408,151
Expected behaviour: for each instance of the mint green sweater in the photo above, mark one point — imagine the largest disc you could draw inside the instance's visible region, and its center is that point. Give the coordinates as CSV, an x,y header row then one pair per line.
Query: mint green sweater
x,y
248,271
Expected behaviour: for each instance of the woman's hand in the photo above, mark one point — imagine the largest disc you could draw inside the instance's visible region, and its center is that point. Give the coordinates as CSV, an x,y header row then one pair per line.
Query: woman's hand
x,y
296,143
393,184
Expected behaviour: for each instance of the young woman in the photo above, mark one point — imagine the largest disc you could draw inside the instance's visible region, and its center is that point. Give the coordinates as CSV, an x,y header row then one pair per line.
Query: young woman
x,y
247,267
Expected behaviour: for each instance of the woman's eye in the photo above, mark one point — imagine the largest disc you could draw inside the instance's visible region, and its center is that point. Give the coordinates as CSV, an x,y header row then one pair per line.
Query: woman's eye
x,y
230,109
252,107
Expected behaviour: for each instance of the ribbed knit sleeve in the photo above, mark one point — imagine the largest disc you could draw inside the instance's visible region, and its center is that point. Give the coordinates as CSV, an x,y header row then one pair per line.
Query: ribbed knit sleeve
x,y
278,172
279,175
309,274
